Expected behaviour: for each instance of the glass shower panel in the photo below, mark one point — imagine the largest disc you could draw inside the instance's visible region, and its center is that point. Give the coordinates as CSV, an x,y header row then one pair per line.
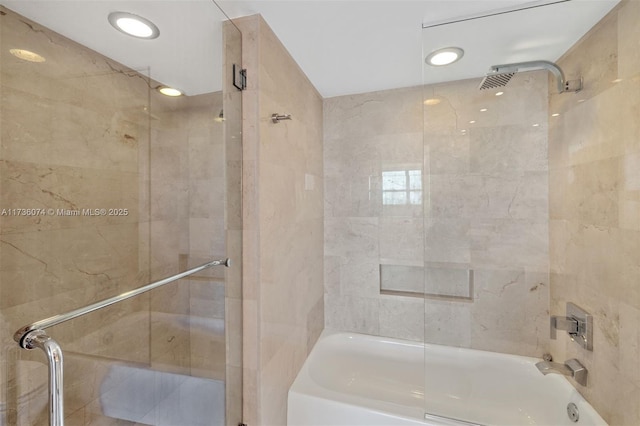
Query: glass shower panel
x,y
486,219
107,185
398,189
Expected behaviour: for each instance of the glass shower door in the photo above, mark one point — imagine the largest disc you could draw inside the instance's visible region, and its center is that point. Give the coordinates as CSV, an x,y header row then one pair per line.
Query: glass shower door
x,y
486,223
107,185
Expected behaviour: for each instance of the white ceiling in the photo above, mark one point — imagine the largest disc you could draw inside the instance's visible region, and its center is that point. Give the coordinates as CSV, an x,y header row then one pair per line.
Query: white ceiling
x,y
344,46
186,55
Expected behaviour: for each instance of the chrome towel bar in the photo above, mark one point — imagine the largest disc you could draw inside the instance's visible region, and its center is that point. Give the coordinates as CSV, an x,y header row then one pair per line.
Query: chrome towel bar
x,y
33,336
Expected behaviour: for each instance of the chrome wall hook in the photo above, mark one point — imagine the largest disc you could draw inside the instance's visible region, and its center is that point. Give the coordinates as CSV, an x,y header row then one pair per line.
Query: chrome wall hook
x,y
276,118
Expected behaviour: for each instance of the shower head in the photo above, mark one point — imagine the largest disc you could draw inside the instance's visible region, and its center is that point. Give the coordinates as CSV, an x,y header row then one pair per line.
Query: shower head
x,y
500,75
496,79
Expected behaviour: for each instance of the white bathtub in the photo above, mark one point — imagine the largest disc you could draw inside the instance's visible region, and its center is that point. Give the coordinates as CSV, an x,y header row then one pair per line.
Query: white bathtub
x,y
354,379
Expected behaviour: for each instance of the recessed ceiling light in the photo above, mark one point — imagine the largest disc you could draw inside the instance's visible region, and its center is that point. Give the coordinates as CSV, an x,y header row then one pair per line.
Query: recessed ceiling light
x,y
26,55
555,115
472,121
617,80
432,101
169,91
536,125
445,56
483,110
133,25
499,93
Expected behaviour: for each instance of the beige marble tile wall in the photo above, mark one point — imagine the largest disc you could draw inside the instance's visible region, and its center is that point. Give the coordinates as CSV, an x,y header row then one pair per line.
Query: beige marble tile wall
x,y
477,202
365,136
72,127
283,223
594,155
186,186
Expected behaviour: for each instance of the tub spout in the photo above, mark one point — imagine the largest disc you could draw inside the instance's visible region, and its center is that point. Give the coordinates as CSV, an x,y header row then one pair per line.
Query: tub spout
x,y
572,368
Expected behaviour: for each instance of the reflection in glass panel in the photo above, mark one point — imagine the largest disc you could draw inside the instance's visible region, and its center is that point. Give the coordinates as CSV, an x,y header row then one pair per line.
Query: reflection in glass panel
x,y
415,179
400,187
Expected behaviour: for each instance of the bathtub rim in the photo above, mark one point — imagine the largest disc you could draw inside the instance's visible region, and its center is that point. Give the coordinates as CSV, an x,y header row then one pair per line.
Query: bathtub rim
x,y
306,385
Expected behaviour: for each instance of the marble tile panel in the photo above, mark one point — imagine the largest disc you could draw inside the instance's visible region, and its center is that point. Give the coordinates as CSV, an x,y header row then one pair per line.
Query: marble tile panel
x,y
234,195
207,300
456,196
348,313
448,240
359,276
354,196
629,342
629,196
233,397
233,275
375,113
332,268
163,257
281,77
94,257
601,127
402,317
276,379
531,197
169,156
349,156
283,199
353,236
503,244
400,149
315,323
206,157
604,259
169,345
513,148
442,117
444,279
522,327
595,59
233,327
406,210
510,195
449,151
81,136
277,334
628,36
401,239
627,409
447,323
68,196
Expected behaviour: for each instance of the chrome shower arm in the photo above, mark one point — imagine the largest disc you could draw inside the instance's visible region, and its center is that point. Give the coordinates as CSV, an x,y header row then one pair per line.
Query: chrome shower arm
x,y
549,66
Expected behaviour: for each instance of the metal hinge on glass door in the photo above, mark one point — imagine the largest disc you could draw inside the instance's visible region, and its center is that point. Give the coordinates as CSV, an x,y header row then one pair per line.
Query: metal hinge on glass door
x,y
239,77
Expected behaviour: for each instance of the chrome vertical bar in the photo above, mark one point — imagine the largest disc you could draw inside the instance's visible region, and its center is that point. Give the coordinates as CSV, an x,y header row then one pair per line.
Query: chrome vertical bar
x,y
40,339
